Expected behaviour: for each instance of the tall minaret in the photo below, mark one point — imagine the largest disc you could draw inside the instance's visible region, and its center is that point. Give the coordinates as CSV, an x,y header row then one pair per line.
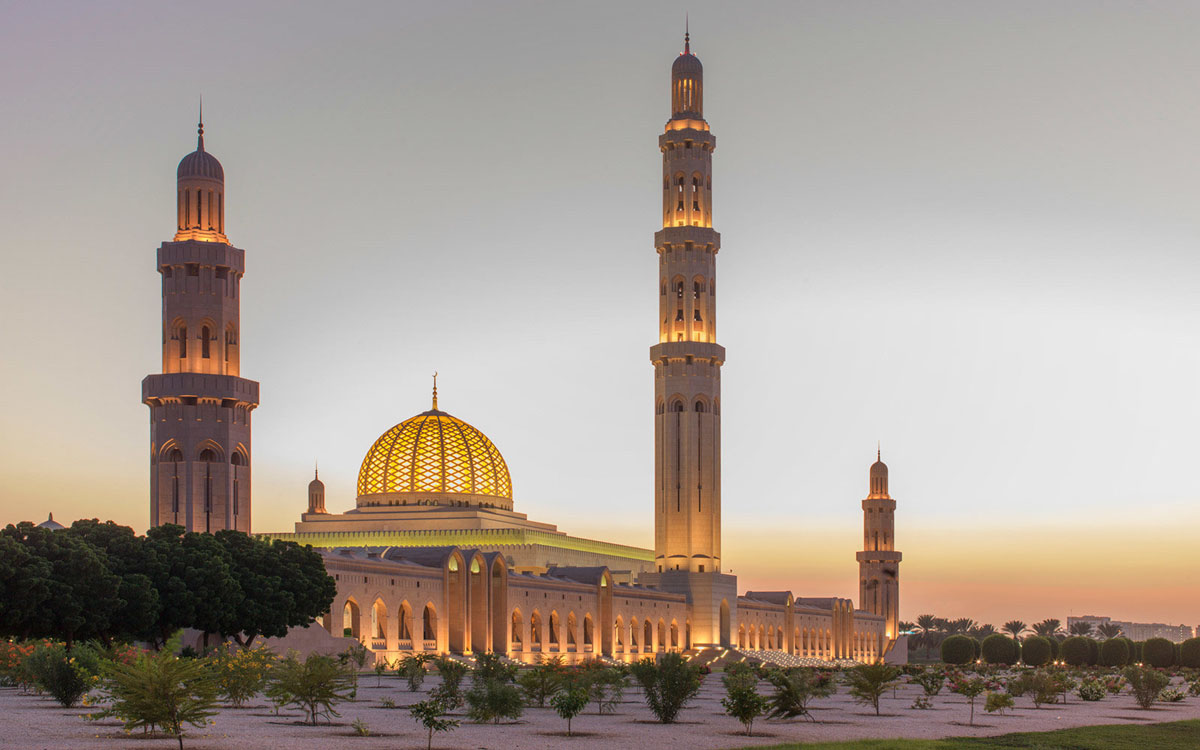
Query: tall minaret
x,y
879,562
199,407
687,359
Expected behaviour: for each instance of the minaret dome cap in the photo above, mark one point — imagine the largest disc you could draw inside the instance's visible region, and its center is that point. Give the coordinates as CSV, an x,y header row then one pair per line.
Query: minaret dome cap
x,y
200,163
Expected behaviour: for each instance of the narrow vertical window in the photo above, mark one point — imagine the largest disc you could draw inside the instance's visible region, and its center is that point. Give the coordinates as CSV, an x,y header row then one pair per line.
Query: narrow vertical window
x,y
183,342
204,338
187,208
199,206
221,213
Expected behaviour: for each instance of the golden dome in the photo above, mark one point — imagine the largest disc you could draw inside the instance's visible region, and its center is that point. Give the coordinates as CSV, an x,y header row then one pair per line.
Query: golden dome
x,y
434,459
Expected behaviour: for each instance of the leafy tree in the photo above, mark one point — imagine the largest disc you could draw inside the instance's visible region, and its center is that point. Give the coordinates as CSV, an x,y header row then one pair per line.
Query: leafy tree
x,y
999,649
492,699
452,672
1158,652
543,680
412,668
196,587
997,702
489,666
868,682
795,689
958,649
1080,628
1146,684
283,585
1036,651
161,690
604,684
569,704
431,714
127,557
1114,652
930,681
970,689
1014,628
82,600
24,588
668,685
743,703
242,673
314,685
1075,650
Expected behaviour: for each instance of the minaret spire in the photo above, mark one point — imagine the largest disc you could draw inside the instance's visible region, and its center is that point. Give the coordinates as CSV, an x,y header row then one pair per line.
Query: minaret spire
x,y
435,391
687,35
200,127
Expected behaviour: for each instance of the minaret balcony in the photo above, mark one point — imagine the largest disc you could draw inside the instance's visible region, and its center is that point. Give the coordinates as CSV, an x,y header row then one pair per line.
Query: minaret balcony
x,y
170,386
684,349
876,556
215,254
679,237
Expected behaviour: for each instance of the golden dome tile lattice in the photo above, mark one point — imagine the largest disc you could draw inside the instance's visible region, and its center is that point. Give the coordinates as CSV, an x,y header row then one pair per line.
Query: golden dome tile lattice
x,y
434,452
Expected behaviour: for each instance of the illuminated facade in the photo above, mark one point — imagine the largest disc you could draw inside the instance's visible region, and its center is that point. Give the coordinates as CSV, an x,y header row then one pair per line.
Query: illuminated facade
x,y
879,562
433,556
199,405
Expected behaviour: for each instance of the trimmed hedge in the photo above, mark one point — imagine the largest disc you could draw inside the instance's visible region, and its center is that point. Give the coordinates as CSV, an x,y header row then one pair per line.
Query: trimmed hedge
x,y
1189,653
1055,648
958,649
1114,652
999,649
1036,651
1075,650
1093,652
1135,652
1158,652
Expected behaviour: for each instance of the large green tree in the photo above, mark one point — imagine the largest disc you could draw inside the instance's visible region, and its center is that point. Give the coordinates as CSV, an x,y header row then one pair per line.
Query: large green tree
x,y
128,559
193,575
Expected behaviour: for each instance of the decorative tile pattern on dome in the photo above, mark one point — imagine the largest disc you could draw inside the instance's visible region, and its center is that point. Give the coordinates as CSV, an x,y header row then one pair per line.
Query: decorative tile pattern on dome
x,y
434,453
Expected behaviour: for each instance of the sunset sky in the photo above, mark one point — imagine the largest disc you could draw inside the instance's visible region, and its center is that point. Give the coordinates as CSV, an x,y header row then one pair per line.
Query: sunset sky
x,y
969,231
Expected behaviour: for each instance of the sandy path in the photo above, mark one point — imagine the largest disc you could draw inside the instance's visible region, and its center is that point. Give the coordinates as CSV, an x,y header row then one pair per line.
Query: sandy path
x,y
36,723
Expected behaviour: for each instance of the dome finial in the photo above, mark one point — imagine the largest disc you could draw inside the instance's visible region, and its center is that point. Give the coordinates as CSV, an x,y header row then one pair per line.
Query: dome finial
x,y
200,127
435,390
878,450
687,35
316,470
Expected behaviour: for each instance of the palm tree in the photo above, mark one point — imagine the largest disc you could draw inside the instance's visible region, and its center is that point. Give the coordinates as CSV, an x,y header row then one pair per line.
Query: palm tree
x,y
962,625
928,624
979,632
1014,628
1080,627
906,627
1048,628
1109,629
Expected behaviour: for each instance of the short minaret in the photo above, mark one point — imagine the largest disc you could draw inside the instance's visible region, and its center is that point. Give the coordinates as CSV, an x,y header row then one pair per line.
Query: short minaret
x,y
316,495
879,562
687,359
199,406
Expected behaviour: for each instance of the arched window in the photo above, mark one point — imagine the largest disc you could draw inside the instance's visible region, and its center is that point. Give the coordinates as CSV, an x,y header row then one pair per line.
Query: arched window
x,y
677,406
208,455
204,338
429,623
181,334
535,628
405,624
516,627
700,406
647,636
553,638
175,455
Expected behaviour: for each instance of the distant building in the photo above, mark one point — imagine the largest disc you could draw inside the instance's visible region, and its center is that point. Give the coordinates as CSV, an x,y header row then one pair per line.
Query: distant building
x,y
1137,631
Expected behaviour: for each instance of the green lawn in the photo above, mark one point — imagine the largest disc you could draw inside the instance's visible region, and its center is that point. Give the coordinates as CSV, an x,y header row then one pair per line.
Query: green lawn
x,y
1175,735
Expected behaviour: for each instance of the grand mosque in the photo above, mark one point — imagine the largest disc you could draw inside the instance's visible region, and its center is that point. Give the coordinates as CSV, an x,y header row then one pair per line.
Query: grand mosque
x,y
435,546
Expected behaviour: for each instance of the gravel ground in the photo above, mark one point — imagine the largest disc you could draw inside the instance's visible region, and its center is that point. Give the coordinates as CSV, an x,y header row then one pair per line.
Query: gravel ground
x,y
32,722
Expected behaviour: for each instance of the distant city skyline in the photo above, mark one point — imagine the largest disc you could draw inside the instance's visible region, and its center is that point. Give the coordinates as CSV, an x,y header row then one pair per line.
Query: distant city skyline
x,y
965,230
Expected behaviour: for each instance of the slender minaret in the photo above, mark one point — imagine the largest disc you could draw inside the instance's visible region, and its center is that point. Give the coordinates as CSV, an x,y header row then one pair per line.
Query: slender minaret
x,y
687,359
316,495
879,562
199,407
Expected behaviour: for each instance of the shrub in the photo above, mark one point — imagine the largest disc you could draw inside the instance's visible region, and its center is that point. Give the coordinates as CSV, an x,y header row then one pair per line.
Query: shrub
x,y
1093,652
241,674
668,685
931,682
1189,653
314,685
452,673
922,701
1036,651
412,669
161,690
998,702
868,682
494,699
1075,650
1055,648
1146,684
970,689
1171,695
489,666
1037,683
1114,652
1158,652
542,681
64,676
1091,690
743,703
1135,652
360,728
431,714
958,649
796,688
605,685
569,704
999,649
1194,687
